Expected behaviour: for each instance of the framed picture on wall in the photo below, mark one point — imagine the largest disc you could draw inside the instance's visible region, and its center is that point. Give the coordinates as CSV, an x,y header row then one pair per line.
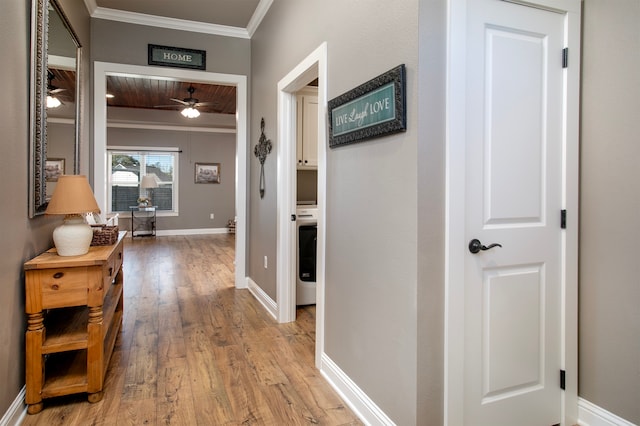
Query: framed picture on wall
x,y
53,169
207,173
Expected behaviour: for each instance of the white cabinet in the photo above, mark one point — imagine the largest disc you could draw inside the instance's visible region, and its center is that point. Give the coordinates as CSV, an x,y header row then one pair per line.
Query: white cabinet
x,y
307,129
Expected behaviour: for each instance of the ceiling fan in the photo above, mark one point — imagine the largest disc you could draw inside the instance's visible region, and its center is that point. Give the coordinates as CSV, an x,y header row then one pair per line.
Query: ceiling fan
x,y
190,104
52,100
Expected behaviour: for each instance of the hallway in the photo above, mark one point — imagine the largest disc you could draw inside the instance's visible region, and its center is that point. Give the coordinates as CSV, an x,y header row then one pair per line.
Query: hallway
x,y
193,350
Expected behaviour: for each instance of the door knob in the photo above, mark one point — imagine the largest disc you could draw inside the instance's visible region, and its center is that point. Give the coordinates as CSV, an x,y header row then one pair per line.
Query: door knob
x,y
475,246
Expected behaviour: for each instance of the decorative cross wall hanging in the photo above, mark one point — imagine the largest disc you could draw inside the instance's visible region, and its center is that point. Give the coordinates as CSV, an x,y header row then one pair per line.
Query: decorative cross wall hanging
x,y
261,150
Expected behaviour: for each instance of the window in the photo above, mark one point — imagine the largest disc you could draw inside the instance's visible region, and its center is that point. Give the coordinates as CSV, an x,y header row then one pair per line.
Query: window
x,y
128,167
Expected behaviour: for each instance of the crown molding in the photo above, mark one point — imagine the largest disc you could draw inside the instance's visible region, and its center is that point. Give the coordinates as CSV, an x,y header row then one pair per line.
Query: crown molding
x,y
121,124
180,24
258,16
172,23
91,6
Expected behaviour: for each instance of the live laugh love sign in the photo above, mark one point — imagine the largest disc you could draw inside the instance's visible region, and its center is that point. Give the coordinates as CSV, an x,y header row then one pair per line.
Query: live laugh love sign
x,y
373,109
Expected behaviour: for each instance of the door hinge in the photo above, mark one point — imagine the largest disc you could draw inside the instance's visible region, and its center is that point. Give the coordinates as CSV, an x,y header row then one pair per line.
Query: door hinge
x,y
563,219
565,57
562,379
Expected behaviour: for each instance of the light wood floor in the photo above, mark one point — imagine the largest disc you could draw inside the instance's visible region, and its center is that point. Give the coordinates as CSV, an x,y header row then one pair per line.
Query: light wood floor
x,y
193,350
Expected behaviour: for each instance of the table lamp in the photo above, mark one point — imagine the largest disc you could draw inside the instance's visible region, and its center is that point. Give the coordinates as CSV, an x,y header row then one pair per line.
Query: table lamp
x,y
72,197
149,182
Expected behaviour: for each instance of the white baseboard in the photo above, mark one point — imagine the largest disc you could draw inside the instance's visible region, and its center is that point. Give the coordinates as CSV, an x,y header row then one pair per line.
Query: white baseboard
x,y
199,231
350,393
590,414
263,298
353,396
16,412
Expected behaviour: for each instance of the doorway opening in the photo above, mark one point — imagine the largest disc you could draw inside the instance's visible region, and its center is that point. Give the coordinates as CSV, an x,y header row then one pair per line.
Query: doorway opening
x,y
311,68
102,70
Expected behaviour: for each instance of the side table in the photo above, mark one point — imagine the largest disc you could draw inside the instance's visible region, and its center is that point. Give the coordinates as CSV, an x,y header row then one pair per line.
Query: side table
x,y
143,221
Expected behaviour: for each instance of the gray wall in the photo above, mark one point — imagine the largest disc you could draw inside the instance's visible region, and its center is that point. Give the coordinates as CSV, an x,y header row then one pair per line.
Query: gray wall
x,y
610,208
372,195
127,44
196,201
60,137
124,43
22,237
307,185
430,298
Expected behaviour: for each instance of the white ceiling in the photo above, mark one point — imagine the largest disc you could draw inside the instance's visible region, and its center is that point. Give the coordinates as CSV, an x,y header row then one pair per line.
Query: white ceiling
x,y
232,18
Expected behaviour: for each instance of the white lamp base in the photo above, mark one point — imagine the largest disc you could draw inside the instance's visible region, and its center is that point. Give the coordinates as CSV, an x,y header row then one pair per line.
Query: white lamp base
x,y
73,237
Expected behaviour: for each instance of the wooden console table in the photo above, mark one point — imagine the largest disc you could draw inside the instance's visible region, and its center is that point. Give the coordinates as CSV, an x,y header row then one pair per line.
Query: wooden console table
x,y
74,311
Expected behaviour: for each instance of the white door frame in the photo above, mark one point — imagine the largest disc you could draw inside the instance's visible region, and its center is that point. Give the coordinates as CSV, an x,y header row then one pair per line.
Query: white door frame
x,y
455,209
103,69
314,65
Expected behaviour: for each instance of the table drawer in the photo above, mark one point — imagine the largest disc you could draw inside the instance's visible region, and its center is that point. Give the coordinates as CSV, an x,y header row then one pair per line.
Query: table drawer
x,y
112,267
63,287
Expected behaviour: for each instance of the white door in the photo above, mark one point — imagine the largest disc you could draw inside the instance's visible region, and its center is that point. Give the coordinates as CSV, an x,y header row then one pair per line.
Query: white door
x,y
514,166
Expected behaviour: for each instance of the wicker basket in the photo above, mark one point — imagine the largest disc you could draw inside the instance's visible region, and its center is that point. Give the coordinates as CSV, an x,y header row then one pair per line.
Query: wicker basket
x,y
104,235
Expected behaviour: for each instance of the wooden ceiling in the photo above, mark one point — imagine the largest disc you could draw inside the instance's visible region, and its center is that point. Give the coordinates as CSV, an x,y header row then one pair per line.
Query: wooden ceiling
x,y
130,92
66,80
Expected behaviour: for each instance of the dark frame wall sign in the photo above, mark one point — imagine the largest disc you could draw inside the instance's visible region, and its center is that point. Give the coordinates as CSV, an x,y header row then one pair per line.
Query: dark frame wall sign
x,y
178,57
373,109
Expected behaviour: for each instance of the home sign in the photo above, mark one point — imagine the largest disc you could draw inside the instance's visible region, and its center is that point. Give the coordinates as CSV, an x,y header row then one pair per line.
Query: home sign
x,y
177,57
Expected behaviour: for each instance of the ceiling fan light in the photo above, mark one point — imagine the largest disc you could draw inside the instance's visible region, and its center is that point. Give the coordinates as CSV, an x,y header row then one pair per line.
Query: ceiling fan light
x,y
53,102
190,112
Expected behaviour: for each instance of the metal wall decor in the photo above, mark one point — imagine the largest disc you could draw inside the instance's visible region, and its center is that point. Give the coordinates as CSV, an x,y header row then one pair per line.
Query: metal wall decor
x,y
261,150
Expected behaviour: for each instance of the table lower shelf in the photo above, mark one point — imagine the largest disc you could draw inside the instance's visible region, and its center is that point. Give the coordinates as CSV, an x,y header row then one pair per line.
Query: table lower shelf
x,y
66,373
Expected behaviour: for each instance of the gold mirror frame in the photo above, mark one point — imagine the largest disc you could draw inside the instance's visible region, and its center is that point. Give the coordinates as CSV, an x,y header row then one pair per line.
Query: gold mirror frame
x,y
40,10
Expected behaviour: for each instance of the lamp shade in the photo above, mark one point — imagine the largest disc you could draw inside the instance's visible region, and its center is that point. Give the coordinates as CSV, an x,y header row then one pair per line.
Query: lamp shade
x,y
149,181
72,195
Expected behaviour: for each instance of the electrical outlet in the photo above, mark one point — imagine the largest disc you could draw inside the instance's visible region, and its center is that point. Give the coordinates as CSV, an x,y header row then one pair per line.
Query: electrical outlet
x,y
211,216
265,262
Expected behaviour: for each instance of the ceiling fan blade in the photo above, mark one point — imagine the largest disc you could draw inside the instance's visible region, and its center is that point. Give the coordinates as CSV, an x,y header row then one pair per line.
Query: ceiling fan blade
x,y
166,106
179,101
206,104
54,91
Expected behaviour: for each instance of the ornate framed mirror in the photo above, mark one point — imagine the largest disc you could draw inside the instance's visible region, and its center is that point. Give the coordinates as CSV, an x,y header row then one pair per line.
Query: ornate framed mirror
x,y
54,132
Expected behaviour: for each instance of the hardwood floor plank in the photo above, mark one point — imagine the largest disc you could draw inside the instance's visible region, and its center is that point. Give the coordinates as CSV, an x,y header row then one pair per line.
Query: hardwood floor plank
x,y
194,350
288,407
171,343
213,409
175,399
137,412
142,369
244,395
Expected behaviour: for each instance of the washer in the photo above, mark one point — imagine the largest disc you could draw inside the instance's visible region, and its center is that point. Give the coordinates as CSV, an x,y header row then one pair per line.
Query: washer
x,y
307,231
